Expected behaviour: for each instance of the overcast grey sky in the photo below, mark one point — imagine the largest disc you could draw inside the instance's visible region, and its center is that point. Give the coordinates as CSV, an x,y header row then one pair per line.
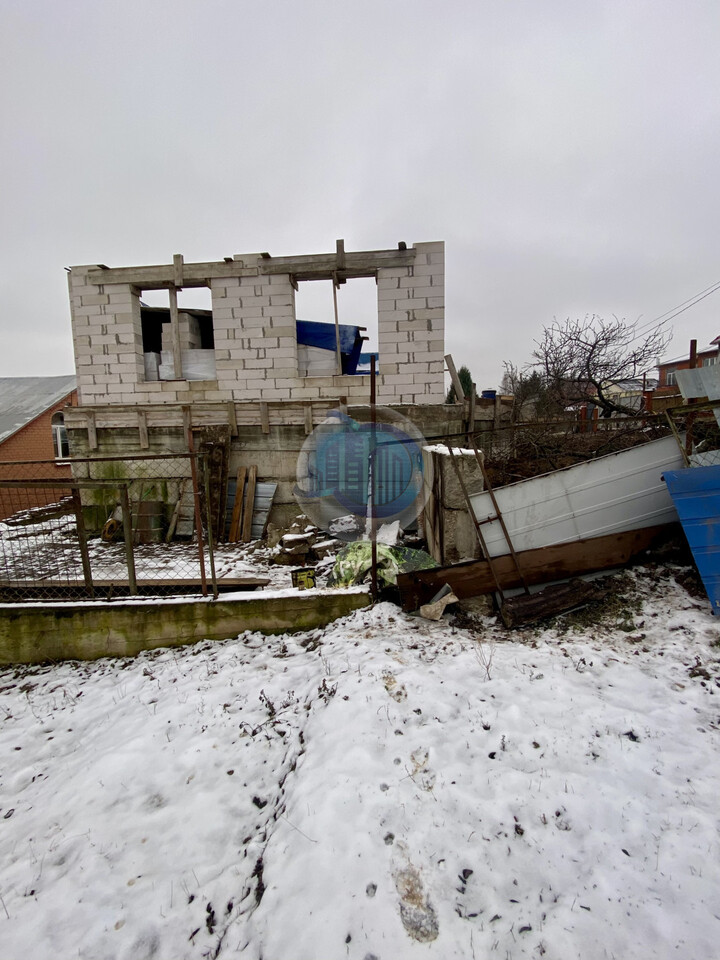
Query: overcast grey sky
x,y
566,151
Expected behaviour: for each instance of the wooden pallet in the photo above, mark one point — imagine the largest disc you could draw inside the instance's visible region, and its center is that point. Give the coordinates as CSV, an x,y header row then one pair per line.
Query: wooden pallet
x,y
247,512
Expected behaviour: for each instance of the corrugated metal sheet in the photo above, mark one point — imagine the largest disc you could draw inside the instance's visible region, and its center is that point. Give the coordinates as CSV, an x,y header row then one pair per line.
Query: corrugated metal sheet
x,y
24,398
613,494
696,495
264,494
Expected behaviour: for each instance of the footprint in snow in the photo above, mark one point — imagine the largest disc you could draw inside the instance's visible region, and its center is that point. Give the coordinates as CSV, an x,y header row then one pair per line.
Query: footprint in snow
x,y
416,911
421,773
395,690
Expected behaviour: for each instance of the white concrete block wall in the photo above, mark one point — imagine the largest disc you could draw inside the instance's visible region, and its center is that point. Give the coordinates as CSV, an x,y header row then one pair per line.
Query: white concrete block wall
x,y
254,324
256,342
411,328
107,339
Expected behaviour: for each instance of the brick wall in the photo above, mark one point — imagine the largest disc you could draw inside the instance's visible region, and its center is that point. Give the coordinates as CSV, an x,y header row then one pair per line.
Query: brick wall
x,y
34,441
256,342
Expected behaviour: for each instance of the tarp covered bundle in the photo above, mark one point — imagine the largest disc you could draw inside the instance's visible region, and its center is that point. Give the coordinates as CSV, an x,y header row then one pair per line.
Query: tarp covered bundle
x,y
353,563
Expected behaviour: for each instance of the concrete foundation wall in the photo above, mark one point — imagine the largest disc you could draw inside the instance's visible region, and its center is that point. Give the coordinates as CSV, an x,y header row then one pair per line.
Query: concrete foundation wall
x,y
449,528
255,336
88,631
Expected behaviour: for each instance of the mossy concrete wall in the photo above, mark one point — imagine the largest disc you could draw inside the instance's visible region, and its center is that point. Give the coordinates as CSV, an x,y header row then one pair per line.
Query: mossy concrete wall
x,y
87,631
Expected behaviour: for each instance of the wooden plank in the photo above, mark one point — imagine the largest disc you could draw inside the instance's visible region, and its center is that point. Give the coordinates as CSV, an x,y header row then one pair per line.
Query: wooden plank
x,y
264,417
548,602
232,418
187,420
143,430
542,565
249,504
308,419
159,276
121,586
92,430
459,392
236,522
178,269
175,335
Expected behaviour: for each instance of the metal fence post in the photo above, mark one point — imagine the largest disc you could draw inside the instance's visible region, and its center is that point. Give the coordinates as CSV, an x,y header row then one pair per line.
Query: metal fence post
x,y
128,535
208,511
82,540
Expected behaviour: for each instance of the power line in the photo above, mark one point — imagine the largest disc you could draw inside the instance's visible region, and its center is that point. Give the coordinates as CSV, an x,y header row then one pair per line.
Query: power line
x,y
669,315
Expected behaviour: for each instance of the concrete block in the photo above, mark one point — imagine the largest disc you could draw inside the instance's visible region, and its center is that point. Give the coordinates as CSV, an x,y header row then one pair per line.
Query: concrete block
x,y
428,314
436,302
245,312
280,310
424,292
254,323
259,364
389,293
90,299
386,273
273,393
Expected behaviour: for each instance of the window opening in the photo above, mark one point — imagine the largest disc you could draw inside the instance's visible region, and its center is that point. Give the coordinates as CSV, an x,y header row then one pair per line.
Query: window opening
x,y
357,318
195,330
60,437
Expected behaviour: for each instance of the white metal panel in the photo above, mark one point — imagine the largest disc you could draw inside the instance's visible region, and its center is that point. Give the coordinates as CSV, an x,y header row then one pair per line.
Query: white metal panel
x,y
316,361
621,492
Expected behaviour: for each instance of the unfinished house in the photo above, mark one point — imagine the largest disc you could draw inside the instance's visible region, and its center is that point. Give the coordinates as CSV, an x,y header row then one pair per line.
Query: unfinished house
x,y
248,378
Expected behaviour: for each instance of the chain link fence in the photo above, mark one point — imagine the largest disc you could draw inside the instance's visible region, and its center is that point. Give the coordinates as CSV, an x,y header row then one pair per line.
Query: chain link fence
x,y
106,527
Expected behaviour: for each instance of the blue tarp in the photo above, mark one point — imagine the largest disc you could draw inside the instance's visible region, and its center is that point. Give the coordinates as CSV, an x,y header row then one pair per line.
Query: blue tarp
x,y
696,495
314,334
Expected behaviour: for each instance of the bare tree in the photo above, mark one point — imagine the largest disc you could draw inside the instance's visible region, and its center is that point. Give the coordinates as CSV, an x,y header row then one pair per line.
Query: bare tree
x,y
533,399
581,360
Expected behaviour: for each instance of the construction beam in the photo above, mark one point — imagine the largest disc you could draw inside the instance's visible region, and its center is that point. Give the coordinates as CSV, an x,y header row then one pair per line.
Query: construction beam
x,y
159,276
326,266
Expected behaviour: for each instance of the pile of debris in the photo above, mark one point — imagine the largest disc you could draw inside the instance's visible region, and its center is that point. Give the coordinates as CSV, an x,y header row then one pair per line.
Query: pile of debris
x,y
300,544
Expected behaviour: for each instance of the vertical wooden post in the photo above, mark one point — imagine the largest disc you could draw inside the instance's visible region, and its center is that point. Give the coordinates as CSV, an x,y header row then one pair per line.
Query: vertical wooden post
x,y
127,534
208,511
471,413
198,516
373,484
338,354
82,541
175,334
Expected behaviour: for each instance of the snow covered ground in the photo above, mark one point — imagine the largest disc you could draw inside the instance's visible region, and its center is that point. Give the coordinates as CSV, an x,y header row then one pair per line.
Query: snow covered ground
x,y
387,788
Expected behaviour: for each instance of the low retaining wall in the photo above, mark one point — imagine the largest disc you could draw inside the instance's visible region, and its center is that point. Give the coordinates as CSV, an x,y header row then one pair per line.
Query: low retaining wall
x,y
36,633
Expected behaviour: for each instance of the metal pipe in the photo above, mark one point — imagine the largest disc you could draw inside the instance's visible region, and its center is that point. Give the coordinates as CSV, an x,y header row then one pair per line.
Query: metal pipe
x,y
373,484
198,515
127,534
208,511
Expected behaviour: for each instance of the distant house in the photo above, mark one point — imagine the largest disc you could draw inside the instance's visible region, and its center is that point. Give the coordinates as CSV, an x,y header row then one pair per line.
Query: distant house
x,y
707,357
32,428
